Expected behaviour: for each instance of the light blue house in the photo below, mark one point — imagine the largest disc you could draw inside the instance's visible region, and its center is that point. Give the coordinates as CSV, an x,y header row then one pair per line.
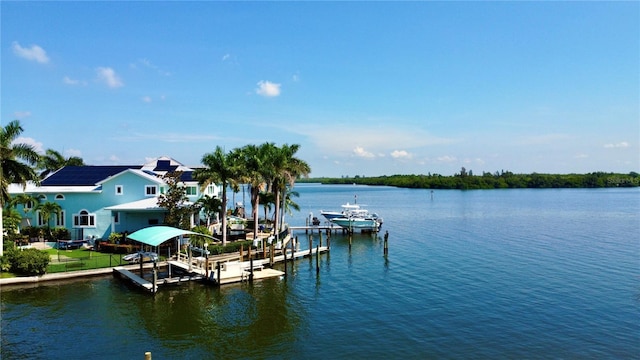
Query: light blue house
x,y
99,200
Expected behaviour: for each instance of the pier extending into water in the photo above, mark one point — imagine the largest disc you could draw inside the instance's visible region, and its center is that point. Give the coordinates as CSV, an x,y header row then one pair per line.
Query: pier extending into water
x,y
226,268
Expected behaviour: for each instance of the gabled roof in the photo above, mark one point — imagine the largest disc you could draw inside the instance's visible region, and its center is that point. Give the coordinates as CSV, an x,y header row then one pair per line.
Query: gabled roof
x,y
84,175
142,173
91,175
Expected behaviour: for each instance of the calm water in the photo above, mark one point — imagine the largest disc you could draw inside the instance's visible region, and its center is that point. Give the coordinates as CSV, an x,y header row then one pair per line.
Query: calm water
x,y
470,274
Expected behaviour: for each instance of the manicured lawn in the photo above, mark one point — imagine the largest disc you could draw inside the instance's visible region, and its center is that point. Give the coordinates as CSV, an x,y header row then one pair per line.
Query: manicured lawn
x,y
81,259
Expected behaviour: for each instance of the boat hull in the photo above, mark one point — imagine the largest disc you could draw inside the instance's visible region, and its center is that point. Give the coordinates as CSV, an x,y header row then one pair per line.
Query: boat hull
x,y
358,224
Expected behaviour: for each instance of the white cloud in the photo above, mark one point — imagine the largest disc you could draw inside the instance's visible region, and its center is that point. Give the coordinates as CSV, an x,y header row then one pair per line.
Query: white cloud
x,y
69,81
226,57
109,77
147,99
268,89
73,152
619,145
401,154
22,114
37,146
34,53
361,152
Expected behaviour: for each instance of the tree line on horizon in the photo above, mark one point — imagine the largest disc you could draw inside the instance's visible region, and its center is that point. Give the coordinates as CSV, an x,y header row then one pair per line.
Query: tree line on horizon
x,y
466,180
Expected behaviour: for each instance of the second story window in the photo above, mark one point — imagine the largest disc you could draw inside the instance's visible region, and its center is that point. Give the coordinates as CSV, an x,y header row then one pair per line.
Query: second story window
x,y
191,190
150,190
119,190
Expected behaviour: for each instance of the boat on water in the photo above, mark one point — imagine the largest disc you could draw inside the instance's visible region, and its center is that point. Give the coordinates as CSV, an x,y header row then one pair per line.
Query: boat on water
x,y
359,220
353,217
346,210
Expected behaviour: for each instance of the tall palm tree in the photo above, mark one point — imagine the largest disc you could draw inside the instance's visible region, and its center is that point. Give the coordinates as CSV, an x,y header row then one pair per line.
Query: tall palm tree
x,y
53,160
288,168
256,172
220,168
46,210
17,161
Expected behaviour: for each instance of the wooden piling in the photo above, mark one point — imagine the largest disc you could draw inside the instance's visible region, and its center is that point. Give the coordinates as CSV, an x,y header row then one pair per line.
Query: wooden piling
x,y
310,244
318,259
251,270
386,243
264,248
218,269
284,252
241,253
155,279
271,255
320,234
147,355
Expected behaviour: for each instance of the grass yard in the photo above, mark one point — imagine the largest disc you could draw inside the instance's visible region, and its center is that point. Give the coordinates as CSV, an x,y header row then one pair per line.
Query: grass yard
x,y
81,259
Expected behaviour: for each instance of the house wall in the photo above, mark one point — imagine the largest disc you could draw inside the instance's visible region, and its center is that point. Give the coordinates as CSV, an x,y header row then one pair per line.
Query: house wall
x,y
133,184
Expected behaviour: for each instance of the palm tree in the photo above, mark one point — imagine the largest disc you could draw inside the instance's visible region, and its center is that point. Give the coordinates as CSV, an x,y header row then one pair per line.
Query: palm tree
x,y
53,160
266,200
210,206
288,168
219,168
256,172
24,200
46,210
17,161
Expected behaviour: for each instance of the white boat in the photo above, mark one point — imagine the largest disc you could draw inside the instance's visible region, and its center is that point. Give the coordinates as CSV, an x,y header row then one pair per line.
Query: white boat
x,y
346,209
359,220
141,256
354,218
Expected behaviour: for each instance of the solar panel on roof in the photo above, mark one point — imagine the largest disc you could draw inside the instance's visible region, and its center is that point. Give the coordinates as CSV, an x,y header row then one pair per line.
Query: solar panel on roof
x,y
163,165
84,175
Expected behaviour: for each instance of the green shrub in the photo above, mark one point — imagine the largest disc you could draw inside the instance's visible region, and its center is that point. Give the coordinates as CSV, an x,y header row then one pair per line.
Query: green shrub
x,y
28,262
115,238
60,233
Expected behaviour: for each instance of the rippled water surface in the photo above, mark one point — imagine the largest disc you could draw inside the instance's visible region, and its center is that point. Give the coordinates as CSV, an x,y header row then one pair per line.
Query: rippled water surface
x,y
484,274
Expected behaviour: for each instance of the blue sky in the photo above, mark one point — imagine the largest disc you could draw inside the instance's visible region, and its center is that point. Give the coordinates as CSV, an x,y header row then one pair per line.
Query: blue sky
x,y
366,88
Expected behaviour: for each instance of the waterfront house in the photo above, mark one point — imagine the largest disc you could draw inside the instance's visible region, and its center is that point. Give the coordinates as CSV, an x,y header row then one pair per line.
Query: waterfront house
x,y
99,200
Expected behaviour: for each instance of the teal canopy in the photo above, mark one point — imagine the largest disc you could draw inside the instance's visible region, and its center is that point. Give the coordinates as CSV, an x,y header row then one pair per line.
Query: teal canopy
x,y
156,235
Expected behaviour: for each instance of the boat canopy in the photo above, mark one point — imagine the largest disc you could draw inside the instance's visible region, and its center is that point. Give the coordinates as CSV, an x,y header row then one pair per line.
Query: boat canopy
x,y
156,235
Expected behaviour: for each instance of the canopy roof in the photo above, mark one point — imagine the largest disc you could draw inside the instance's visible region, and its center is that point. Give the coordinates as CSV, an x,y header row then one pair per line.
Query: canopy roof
x,y
156,235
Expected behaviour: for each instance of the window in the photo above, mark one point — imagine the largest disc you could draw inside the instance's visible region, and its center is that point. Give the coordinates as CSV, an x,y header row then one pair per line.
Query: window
x,y
191,190
116,218
28,206
150,190
40,219
60,218
119,190
84,219
211,189
59,197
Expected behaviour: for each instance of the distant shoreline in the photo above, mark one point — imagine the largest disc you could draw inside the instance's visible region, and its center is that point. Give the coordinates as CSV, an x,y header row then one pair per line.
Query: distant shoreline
x,y
502,180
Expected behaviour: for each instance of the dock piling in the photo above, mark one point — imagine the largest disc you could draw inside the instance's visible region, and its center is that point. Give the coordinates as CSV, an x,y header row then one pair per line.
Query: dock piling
x,y
386,243
318,260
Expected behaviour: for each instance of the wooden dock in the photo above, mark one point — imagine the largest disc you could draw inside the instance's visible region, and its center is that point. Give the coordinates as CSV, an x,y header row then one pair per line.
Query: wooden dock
x,y
134,278
221,270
